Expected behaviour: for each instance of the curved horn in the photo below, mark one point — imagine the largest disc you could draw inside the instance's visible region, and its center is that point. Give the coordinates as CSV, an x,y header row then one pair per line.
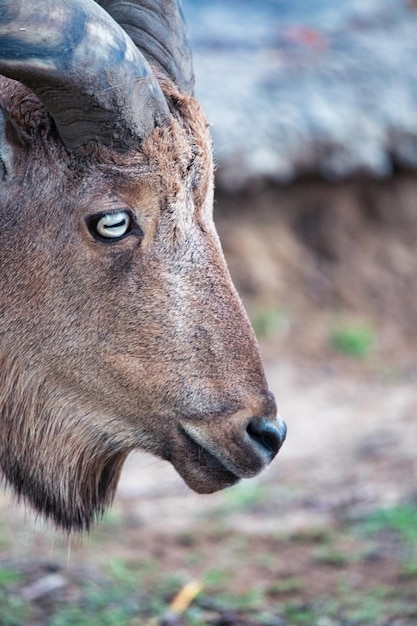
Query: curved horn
x,y
92,79
159,30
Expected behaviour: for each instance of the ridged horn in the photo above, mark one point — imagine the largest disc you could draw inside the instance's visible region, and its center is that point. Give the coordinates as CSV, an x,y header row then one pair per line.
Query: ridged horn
x,y
92,79
159,30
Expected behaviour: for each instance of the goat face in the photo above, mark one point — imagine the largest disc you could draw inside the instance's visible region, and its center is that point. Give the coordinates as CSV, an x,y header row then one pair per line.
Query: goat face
x,y
120,327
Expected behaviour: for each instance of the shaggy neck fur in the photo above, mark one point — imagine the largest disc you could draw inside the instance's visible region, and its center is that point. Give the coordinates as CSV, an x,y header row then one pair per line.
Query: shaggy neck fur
x,y
67,474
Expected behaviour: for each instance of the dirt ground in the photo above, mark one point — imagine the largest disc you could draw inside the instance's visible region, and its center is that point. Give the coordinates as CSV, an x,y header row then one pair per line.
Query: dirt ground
x,y
328,534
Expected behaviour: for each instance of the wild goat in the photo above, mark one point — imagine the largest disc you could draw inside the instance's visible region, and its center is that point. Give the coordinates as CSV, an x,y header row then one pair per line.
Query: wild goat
x,y
120,327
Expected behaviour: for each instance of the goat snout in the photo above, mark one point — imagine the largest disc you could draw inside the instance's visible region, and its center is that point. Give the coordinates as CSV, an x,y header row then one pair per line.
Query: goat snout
x,y
218,453
267,435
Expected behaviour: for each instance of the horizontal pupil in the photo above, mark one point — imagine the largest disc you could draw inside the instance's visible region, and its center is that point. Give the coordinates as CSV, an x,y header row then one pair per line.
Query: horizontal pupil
x,y
115,225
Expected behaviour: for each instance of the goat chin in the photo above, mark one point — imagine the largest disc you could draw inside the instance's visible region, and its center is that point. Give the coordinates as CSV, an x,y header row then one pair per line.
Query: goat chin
x,y
52,458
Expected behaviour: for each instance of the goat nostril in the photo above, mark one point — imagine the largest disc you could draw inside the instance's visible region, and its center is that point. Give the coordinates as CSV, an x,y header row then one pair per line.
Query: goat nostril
x,y
269,435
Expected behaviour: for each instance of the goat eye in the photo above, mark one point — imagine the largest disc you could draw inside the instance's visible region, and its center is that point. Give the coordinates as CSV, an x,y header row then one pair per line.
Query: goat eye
x,y
110,226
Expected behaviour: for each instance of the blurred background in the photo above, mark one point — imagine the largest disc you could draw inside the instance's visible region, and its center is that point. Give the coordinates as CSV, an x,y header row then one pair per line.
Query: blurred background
x,y
313,109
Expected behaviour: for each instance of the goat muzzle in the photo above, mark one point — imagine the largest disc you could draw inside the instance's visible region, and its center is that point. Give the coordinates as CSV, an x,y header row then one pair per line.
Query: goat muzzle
x,y
217,454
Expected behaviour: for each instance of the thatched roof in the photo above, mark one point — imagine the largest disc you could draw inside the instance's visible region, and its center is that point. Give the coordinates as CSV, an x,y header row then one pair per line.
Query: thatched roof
x,y
295,88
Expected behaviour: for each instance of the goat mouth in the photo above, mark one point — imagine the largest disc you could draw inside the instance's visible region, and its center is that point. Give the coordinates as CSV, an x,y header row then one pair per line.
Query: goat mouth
x,y
202,471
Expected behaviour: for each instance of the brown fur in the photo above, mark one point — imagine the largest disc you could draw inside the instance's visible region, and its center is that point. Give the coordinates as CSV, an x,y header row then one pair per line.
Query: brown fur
x,y
105,348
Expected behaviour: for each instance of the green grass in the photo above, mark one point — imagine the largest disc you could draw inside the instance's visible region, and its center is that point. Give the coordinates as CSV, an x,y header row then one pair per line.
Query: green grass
x,y
402,520
353,339
14,610
330,555
105,604
82,616
139,592
372,607
369,607
215,579
298,613
122,597
291,585
9,576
